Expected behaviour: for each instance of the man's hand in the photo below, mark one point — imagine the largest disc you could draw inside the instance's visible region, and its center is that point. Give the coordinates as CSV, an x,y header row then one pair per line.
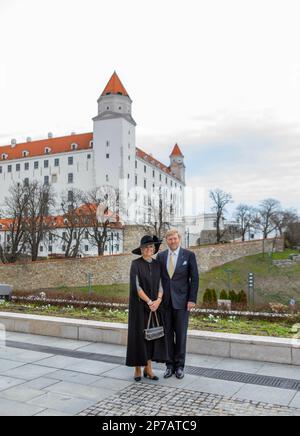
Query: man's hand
x,y
155,305
191,306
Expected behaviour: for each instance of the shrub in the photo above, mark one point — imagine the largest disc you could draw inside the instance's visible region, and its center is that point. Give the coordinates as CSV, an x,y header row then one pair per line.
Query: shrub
x,y
242,298
223,295
233,296
214,296
210,296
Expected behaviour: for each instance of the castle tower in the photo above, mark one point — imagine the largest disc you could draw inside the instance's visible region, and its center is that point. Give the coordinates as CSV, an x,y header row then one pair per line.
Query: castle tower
x,y
114,137
177,163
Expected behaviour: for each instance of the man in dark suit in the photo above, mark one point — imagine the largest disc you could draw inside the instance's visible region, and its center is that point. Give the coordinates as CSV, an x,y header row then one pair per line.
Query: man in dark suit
x,y
180,280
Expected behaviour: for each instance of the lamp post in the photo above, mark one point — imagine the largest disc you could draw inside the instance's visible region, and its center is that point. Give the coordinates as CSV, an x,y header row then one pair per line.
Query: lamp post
x,y
229,276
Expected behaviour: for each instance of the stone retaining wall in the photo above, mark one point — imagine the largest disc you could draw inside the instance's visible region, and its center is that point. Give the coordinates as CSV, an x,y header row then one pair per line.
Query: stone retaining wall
x,y
113,269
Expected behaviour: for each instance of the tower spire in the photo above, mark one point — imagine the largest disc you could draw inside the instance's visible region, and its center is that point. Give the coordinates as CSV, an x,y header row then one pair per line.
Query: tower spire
x,y
115,87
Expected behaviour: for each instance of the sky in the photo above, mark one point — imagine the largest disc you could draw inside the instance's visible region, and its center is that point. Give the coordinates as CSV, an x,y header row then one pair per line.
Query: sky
x,y
221,78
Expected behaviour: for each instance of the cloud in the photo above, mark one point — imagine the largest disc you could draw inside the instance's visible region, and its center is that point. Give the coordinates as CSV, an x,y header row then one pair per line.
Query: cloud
x,y
252,155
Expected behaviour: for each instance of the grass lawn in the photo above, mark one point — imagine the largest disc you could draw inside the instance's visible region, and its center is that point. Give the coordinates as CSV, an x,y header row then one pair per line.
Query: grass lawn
x,y
272,283
235,325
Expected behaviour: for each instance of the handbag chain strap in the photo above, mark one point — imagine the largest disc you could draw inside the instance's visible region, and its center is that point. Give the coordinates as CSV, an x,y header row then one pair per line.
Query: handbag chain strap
x,y
149,321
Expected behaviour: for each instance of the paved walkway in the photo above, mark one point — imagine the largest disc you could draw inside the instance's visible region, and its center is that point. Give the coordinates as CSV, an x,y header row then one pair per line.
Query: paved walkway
x,y
50,376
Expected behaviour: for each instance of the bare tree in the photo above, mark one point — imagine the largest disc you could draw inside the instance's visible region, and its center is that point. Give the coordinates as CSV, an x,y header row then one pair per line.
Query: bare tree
x,y
283,218
266,215
37,223
160,214
101,209
14,209
220,200
73,223
244,215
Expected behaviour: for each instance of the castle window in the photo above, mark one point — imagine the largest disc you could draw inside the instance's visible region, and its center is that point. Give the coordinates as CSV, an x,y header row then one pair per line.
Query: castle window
x,y
46,164
119,93
120,108
47,150
107,178
70,160
54,178
107,156
88,156
36,165
107,108
0,170
145,169
25,153
9,168
70,196
56,162
70,178
26,166
26,182
46,180
4,156
74,146
91,144
18,167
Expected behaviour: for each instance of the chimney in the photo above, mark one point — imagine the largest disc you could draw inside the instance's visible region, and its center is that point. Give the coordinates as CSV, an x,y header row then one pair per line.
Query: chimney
x,y
73,133
13,143
28,139
50,135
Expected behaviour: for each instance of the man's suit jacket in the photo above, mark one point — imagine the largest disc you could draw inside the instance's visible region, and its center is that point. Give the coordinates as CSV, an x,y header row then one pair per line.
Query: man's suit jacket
x,y
184,285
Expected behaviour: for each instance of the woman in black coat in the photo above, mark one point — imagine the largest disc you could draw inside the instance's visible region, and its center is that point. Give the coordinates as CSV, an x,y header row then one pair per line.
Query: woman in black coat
x,y
146,295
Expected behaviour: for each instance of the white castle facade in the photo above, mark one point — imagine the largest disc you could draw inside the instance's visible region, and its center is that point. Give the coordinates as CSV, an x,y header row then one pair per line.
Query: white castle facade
x,y
108,156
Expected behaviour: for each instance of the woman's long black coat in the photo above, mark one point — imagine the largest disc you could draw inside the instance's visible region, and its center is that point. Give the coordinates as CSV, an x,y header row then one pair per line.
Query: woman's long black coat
x,y
139,351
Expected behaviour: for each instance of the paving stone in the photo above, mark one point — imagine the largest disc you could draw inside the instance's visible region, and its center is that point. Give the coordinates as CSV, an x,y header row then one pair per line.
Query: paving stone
x,y
28,372
14,408
21,393
155,400
61,403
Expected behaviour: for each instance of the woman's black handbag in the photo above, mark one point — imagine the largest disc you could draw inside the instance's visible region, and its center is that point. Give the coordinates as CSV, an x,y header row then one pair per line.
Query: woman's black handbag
x,y
152,333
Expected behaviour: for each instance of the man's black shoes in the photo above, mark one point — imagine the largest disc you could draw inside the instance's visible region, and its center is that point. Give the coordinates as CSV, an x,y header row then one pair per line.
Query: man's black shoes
x,y
179,373
169,372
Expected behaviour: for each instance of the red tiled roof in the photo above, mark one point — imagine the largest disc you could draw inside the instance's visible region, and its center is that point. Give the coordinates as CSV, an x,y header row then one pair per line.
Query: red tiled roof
x,y
58,221
63,145
176,151
5,223
115,86
37,148
150,159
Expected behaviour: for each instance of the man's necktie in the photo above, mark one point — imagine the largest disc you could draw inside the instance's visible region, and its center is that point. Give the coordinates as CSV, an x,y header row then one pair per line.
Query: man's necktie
x,y
171,265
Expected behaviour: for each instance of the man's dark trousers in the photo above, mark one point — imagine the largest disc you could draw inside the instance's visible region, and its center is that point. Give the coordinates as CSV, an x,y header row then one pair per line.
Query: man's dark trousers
x,y
177,326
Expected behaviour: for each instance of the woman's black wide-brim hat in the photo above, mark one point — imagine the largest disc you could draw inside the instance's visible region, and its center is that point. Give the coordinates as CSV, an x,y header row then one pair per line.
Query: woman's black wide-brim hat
x,y
148,240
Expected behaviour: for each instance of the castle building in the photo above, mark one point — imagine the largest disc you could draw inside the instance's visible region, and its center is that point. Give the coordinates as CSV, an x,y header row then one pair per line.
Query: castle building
x,y
106,157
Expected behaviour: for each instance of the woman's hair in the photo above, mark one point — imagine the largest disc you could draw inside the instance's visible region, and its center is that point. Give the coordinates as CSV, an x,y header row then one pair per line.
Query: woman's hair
x,y
143,247
172,233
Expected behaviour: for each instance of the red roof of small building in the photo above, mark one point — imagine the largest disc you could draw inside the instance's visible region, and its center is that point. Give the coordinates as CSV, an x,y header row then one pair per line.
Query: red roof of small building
x,y
115,86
